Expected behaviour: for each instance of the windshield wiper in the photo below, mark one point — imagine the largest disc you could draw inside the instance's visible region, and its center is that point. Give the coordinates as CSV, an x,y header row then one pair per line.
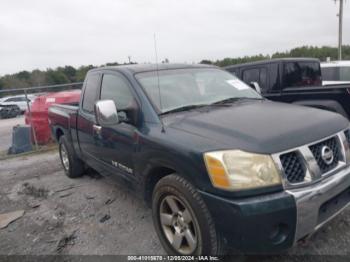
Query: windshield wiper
x,y
218,103
235,99
183,108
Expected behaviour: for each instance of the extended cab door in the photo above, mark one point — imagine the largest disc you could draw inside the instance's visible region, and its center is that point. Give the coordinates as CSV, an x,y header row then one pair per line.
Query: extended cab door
x,y
116,144
86,118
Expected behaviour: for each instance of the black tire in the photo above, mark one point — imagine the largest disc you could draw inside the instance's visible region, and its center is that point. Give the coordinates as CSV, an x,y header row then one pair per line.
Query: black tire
x,y
75,166
14,111
5,113
2,113
208,239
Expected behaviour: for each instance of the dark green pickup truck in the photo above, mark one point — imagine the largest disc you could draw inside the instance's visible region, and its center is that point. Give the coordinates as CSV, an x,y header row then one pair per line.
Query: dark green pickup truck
x,y
220,165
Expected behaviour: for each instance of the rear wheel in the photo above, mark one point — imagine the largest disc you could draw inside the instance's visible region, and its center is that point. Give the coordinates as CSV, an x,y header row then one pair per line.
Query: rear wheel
x,y
182,220
72,165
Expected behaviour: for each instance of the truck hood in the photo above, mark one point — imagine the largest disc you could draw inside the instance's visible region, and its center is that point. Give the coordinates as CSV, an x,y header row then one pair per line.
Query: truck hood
x,y
259,126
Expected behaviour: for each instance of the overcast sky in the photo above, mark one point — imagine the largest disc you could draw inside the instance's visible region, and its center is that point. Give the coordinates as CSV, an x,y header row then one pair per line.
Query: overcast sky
x,y
42,34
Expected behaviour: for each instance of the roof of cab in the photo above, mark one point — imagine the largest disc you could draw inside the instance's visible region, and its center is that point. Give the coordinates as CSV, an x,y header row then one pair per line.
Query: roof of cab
x,y
138,68
288,59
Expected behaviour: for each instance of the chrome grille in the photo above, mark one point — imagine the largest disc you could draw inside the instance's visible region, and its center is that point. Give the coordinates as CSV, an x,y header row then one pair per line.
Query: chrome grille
x,y
293,167
308,163
316,149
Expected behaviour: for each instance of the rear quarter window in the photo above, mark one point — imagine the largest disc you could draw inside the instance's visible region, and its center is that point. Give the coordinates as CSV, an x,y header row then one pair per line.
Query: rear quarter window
x,y
299,74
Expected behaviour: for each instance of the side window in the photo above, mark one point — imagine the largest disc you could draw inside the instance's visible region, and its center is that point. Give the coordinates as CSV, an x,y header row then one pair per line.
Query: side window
x,y
234,72
116,88
22,99
274,76
263,78
14,99
298,74
90,93
251,75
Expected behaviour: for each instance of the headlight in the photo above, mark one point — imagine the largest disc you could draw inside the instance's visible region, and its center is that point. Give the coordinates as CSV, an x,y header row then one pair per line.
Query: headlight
x,y
237,170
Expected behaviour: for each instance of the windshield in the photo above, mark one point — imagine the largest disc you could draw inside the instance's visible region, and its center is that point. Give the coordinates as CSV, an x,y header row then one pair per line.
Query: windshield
x,y
336,73
186,87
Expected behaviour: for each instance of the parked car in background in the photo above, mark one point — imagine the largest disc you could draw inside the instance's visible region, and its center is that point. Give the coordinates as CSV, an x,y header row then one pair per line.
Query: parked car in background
x,y
336,72
39,111
294,80
9,111
19,100
219,164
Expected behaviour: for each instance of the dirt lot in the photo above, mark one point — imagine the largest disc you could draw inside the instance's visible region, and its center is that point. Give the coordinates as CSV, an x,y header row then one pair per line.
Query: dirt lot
x,y
6,131
70,211
91,215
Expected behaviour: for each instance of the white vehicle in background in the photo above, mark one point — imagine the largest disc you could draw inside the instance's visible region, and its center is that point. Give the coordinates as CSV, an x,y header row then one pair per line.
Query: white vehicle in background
x,y
19,100
335,73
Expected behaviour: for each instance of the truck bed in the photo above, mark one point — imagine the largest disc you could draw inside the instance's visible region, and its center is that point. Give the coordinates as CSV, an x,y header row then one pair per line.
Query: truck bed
x,y
68,109
63,117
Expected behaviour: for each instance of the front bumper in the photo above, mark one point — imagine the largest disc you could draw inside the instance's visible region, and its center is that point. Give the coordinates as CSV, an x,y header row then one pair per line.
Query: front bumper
x,y
319,203
275,222
264,224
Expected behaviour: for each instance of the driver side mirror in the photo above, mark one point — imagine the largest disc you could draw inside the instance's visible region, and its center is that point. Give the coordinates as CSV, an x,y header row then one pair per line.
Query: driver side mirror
x,y
256,86
106,113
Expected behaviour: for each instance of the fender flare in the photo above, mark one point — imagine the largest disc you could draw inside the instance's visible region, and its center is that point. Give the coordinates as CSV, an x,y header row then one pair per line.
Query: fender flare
x,y
147,174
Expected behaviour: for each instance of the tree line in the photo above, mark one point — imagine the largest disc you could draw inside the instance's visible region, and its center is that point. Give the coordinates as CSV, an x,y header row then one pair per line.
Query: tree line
x,y
36,78
69,74
321,53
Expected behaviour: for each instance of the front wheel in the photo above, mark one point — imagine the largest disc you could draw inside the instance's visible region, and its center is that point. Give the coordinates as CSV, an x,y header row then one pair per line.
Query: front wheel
x,y
182,220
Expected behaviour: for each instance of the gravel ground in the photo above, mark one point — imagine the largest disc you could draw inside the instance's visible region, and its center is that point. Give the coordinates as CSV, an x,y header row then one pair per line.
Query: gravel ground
x,y
6,131
68,218
92,216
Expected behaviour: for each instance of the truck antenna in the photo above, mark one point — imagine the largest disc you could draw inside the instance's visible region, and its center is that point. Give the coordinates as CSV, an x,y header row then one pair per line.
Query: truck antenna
x,y
158,84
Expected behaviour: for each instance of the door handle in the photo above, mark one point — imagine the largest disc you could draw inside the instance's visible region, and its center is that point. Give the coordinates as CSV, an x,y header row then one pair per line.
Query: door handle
x,y
97,129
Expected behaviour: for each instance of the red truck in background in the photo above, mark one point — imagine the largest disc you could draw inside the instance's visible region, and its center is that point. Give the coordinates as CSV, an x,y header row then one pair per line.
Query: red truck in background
x,y
39,111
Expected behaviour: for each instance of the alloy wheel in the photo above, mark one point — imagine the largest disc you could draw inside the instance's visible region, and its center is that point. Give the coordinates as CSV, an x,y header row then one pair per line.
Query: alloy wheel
x,y
64,157
178,225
